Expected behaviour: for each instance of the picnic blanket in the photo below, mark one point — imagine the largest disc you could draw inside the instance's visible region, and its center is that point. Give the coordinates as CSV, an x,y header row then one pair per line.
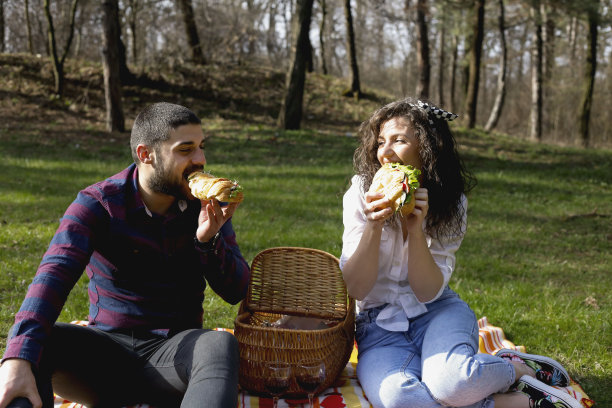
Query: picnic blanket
x,y
346,391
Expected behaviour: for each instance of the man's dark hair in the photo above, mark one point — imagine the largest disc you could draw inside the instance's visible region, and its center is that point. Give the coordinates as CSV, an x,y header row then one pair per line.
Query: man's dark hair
x,y
154,123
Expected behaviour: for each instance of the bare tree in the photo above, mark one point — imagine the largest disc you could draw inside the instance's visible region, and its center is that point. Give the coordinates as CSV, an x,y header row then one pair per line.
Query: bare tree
x,y
535,130
355,87
453,67
548,39
250,29
271,46
422,45
58,62
191,30
589,71
2,28
26,6
291,110
572,34
112,81
471,99
521,54
134,7
323,5
501,75
441,56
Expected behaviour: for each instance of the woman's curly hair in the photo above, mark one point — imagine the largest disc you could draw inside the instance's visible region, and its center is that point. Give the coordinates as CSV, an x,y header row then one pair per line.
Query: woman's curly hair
x,y
442,171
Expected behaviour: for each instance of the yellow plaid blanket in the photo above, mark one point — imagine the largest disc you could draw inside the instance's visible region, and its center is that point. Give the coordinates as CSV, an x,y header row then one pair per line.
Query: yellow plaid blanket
x,y
347,393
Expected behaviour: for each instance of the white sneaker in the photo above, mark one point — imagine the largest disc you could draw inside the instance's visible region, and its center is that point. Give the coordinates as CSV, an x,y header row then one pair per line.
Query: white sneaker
x,y
545,396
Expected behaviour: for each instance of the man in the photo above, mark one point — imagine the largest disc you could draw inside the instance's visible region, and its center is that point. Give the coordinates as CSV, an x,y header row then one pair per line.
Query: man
x,y
148,247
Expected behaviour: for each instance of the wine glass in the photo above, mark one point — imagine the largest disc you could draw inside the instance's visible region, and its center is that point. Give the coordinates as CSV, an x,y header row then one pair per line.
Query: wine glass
x,y
310,375
277,379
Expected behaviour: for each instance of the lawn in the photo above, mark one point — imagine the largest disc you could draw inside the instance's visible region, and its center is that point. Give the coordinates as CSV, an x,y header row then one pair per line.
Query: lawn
x,y
536,260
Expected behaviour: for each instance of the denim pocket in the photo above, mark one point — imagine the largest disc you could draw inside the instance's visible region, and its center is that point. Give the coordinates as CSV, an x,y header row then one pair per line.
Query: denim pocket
x,y
364,321
361,323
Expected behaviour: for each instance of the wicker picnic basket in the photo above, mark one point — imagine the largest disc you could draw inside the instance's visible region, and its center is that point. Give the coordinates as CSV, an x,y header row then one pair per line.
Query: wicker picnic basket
x,y
301,282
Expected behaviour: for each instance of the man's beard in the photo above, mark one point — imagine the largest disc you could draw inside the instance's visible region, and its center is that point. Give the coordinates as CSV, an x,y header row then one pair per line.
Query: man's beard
x,y
163,182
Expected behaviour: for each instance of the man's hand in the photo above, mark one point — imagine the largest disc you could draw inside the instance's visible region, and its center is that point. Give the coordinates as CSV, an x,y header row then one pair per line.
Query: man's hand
x,y
212,217
17,380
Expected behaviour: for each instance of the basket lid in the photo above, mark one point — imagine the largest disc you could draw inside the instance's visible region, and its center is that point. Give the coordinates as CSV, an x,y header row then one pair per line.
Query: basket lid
x,y
297,281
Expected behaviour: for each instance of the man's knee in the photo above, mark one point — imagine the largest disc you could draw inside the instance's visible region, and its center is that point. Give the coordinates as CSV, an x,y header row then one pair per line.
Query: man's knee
x,y
220,343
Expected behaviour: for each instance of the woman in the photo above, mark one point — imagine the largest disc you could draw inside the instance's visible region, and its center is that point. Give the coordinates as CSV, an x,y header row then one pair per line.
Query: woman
x,y
417,340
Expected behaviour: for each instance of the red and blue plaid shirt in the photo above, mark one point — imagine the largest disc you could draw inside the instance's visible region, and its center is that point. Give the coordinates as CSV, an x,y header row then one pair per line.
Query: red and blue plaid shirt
x,y
145,272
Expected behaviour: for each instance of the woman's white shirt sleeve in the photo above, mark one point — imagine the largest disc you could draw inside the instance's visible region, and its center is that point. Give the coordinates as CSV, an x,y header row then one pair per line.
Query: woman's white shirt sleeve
x,y
392,286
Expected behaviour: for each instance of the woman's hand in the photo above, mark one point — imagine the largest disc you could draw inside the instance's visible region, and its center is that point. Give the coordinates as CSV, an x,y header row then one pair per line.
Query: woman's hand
x,y
378,208
424,276
414,221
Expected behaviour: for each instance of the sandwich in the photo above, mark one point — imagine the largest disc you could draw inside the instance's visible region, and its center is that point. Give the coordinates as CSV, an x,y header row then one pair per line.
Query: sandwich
x,y
398,183
206,186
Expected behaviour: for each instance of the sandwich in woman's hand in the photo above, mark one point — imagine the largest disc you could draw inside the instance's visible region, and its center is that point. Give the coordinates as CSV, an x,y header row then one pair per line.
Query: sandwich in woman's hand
x,y
398,183
206,186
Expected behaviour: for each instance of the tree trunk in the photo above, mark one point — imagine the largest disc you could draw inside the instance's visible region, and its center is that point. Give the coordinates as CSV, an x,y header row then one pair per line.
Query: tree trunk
x,y
453,80
291,110
589,72
289,24
422,51
322,35
193,39
548,57
78,37
271,33
441,59
58,69
521,54
548,40
535,132
501,77
132,19
471,99
73,9
125,74
464,68
26,6
355,88
43,32
310,57
572,36
112,81
251,30
2,39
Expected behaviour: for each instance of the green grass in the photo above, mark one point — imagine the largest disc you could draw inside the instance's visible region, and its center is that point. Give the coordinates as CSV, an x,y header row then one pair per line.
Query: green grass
x,y
536,260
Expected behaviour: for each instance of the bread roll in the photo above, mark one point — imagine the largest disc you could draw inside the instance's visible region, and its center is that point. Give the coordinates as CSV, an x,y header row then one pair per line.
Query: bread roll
x,y
205,187
398,183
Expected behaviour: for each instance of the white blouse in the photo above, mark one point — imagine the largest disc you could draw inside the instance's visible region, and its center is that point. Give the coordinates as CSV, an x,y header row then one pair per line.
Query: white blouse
x,y
392,286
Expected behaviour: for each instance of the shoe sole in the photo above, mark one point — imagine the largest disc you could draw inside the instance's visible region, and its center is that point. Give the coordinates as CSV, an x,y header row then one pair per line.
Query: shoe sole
x,y
539,359
559,394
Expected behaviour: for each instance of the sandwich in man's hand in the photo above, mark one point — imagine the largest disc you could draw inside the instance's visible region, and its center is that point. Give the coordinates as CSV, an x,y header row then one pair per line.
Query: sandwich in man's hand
x,y
398,183
206,186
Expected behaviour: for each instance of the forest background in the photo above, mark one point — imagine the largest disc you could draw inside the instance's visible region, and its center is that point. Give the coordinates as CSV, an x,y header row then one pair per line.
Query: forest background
x,y
538,69
530,80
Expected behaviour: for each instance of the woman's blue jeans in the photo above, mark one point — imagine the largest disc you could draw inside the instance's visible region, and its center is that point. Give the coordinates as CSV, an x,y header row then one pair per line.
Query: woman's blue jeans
x,y
435,363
